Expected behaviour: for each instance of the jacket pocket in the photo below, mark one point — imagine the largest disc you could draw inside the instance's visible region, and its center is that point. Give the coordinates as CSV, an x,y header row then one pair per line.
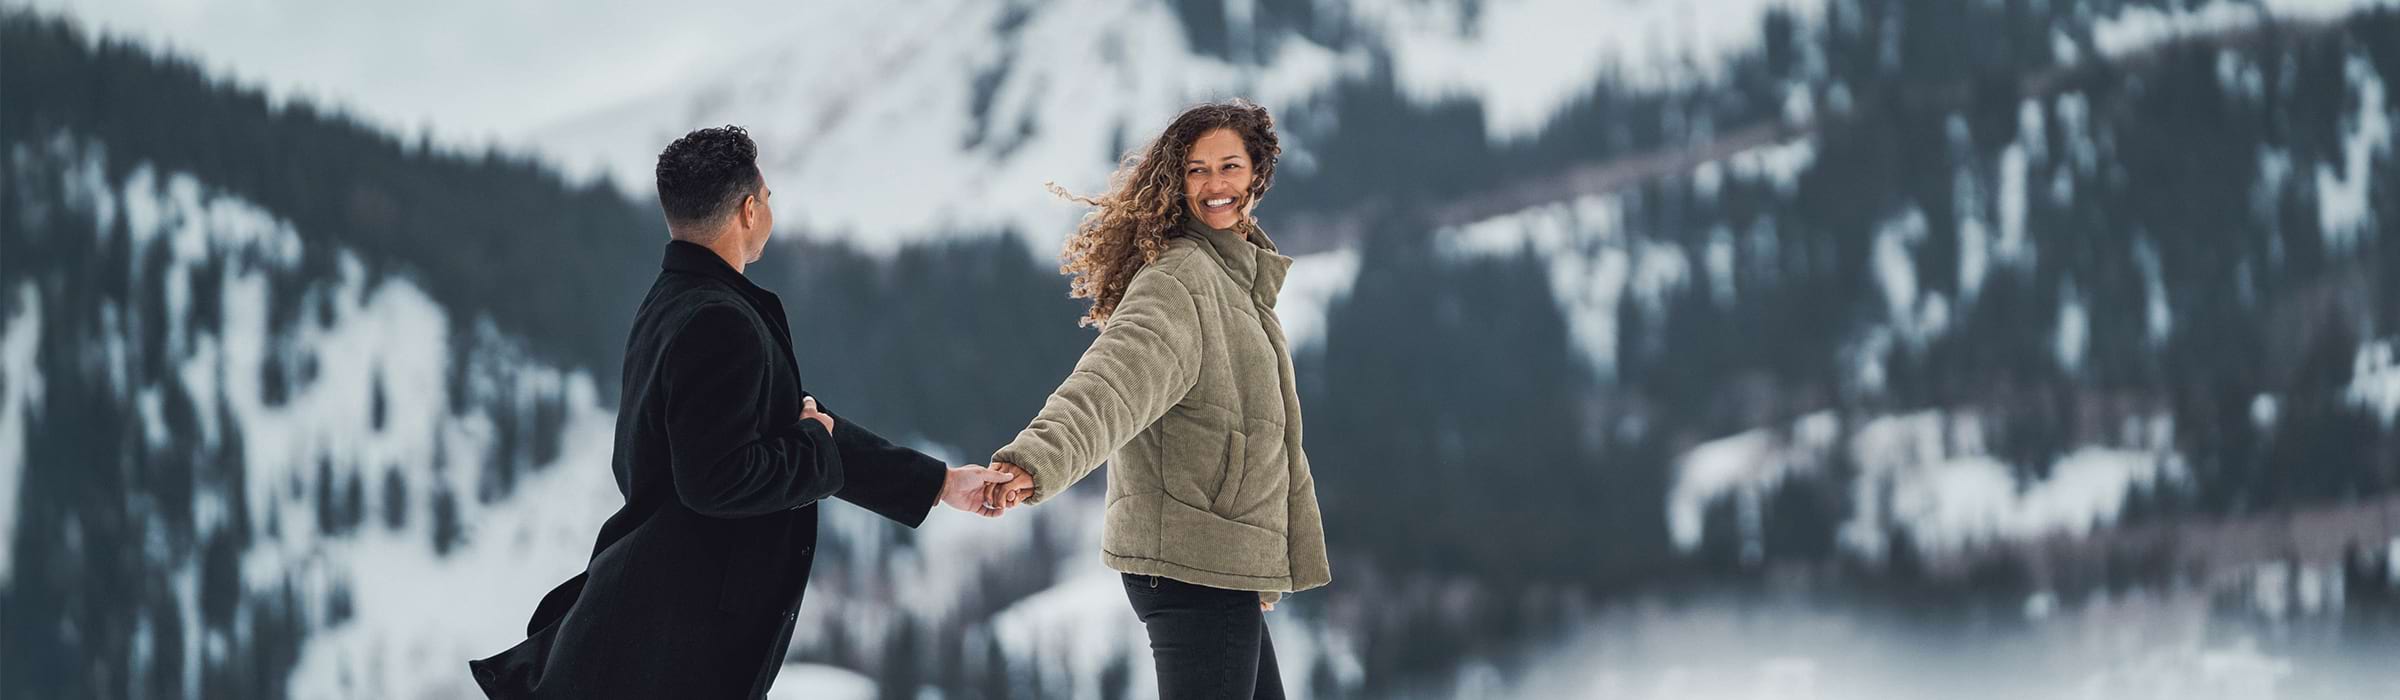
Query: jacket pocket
x,y
1192,458
1228,492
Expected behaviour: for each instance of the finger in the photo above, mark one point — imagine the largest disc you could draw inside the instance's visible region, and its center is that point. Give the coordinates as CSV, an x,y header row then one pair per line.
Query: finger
x,y
994,477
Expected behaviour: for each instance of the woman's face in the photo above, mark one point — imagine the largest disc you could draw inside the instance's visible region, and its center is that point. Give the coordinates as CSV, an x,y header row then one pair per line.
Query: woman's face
x,y
1216,179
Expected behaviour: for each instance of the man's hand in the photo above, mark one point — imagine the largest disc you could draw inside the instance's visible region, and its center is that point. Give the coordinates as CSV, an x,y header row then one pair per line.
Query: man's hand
x,y
1015,490
808,411
964,488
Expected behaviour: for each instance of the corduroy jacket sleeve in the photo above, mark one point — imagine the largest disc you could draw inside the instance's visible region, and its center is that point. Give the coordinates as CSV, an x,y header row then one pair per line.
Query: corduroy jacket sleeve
x,y
1146,359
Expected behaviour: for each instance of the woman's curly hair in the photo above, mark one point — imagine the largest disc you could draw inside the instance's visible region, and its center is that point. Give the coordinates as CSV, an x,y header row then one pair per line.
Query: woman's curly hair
x,y
1129,226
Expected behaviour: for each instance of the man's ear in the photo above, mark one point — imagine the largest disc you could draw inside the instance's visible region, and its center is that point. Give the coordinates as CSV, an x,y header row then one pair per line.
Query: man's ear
x,y
749,211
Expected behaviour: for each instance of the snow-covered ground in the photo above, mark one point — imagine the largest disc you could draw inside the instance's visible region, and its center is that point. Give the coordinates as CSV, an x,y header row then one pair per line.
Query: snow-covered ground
x,y
2345,210
421,616
2135,28
1593,261
1525,60
1746,467
2139,645
1315,281
1929,474
20,397
2375,380
820,682
417,615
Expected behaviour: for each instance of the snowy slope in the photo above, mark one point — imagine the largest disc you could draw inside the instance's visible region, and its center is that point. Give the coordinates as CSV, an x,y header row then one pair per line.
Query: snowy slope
x,y
20,338
1928,474
884,124
1593,261
1524,60
892,124
888,124
2135,28
395,618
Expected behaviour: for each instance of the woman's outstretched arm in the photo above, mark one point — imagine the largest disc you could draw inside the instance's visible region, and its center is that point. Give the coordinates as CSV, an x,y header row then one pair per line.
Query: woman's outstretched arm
x,y
1146,359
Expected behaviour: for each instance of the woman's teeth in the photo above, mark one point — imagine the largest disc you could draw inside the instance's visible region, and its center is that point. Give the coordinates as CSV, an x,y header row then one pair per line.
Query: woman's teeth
x,y
1221,202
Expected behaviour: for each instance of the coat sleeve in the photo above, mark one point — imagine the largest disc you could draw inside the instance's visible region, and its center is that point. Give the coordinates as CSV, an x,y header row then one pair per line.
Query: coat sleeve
x,y
895,482
1146,359
725,464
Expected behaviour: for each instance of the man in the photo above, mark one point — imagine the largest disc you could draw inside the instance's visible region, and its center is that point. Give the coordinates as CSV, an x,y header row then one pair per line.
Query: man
x,y
694,585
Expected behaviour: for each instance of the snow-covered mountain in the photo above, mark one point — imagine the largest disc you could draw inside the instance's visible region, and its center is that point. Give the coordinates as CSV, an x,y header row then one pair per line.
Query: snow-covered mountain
x,y
887,124
1931,474
323,464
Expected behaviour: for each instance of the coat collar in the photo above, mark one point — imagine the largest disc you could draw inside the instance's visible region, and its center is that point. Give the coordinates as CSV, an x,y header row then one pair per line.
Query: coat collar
x,y
1251,262
686,256
693,258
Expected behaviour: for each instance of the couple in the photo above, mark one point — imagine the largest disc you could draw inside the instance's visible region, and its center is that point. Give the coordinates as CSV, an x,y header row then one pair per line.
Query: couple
x,y
694,586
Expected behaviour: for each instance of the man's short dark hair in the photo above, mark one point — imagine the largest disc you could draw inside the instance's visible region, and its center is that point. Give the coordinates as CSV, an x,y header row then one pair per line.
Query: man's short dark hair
x,y
704,175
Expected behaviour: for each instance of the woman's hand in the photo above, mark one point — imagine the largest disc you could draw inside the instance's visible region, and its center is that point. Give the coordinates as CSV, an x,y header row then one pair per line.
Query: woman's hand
x,y
1008,494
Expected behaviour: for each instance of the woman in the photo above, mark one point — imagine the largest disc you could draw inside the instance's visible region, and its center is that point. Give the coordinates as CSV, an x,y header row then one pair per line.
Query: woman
x,y
1188,393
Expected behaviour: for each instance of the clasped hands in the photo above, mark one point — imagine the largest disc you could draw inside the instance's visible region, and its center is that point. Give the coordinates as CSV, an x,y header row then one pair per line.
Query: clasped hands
x,y
987,491
973,488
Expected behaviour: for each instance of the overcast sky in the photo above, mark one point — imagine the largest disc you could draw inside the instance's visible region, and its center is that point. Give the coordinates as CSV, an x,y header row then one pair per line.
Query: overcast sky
x,y
474,71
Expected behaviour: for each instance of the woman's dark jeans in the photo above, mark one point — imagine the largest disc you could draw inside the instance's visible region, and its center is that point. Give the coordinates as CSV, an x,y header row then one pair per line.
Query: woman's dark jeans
x,y
1209,643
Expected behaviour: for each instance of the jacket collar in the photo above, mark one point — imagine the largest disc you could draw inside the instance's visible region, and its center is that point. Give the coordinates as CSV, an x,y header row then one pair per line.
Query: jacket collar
x,y
686,256
693,258
1251,262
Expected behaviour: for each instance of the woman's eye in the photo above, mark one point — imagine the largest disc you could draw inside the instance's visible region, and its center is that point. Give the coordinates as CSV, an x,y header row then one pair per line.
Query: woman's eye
x,y
1195,171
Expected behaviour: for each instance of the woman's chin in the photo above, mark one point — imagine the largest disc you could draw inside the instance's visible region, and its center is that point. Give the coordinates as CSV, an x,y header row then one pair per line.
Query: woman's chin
x,y
1220,221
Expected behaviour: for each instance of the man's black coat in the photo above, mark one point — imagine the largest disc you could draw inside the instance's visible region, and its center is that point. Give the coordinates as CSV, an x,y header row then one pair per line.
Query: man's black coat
x,y
694,584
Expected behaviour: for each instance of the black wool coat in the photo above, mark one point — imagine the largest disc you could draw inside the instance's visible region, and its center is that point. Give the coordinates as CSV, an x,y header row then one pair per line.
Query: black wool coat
x,y
694,585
